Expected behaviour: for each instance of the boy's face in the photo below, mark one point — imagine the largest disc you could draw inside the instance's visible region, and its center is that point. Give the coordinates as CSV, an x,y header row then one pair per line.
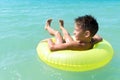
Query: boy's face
x,y
79,33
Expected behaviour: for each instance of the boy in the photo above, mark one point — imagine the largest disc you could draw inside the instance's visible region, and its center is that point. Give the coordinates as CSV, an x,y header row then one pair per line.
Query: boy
x,y
84,33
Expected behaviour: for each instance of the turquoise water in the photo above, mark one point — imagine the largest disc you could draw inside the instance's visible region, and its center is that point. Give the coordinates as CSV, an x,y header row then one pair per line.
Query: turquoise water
x,y
22,27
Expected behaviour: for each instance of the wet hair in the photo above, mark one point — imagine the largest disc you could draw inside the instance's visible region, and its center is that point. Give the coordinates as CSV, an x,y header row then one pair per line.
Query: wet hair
x,y
87,22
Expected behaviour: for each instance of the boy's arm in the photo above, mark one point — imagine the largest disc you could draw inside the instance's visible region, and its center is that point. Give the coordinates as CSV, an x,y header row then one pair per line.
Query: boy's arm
x,y
68,46
97,38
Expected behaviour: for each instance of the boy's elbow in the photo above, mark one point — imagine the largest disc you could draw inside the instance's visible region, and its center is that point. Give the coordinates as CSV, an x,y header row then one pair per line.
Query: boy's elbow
x,y
100,39
97,38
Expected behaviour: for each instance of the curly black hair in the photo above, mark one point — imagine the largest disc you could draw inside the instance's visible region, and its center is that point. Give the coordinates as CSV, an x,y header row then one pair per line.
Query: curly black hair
x,y
88,22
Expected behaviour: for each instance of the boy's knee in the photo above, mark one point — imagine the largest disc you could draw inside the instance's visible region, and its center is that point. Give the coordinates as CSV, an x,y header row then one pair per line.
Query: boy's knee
x,y
57,33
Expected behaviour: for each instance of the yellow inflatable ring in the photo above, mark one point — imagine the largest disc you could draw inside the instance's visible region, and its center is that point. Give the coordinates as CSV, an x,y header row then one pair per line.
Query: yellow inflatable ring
x,y
70,60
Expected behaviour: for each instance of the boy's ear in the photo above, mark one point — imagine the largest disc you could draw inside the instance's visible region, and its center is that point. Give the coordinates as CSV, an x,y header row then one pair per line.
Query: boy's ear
x,y
87,33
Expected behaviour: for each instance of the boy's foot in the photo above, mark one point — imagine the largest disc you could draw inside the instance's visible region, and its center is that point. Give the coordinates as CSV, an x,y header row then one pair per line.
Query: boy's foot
x,y
61,22
48,23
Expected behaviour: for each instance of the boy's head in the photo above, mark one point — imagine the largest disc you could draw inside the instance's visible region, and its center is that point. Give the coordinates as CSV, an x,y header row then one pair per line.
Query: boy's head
x,y
87,24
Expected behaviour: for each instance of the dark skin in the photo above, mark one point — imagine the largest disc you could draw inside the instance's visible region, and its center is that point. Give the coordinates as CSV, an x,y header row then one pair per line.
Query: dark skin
x,y
82,41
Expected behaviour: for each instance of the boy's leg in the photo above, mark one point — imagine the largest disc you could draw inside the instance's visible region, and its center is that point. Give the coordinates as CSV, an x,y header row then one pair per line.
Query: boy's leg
x,y
53,32
66,35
